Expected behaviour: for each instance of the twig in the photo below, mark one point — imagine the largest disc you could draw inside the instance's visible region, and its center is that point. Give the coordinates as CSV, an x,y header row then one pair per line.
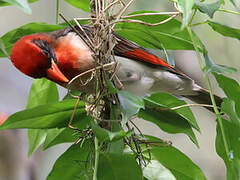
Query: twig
x,y
73,113
73,96
96,158
175,108
85,19
75,30
150,14
145,23
140,132
105,66
119,15
200,23
189,105
229,11
57,11
85,34
110,5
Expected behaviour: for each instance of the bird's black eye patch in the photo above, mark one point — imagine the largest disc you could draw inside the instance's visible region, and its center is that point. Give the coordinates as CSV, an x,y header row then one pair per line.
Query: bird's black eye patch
x,y
46,48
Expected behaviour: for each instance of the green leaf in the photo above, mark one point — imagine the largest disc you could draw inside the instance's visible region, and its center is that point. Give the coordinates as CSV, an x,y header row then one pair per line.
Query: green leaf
x,y
228,107
233,2
208,8
57,136
177,121
54,115
169,34
42,92
81,4
22,4
169,122
225,30
104,135
231,88
130,104
118,167
4,2
66,135
116,146
186,6
231,128
3,49
232,160
111,88
155,170
73,164
165,100
35,138
12,36
217,68
178,163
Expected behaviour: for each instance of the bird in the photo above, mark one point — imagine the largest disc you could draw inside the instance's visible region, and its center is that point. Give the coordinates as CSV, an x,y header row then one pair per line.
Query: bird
x,y
61,55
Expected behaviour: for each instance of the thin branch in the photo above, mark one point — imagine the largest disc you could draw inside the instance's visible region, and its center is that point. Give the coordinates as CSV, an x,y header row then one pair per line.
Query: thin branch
x,y
189,105
150,14
75,30
122,2
140,132
85,34
124,9
110,5
72,117
176,107
145,23
105,67
200,23
57,11
96,158
119,15
85,19
229,11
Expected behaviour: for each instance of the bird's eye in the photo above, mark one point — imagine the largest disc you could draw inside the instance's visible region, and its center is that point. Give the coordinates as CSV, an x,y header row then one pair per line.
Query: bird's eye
x,y
46,48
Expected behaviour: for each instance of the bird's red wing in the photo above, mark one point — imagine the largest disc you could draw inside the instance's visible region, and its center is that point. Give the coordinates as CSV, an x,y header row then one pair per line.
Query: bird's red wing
x,y
128,49
142,55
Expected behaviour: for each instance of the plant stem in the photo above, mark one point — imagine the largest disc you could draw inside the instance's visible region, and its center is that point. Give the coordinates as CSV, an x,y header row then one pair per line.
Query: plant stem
x,y
196,48
229,11
194,13
200,23
96,158
218,116
219,119
57,11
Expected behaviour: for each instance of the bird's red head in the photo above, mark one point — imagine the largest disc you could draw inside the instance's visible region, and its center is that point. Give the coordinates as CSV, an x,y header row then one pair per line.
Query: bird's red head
x,y
34,56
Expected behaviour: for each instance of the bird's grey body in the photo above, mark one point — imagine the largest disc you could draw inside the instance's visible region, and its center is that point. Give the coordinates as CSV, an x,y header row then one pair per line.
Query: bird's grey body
x,y
140,79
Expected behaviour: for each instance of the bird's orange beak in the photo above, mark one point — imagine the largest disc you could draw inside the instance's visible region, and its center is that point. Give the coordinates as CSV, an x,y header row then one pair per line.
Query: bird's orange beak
x,y
55,74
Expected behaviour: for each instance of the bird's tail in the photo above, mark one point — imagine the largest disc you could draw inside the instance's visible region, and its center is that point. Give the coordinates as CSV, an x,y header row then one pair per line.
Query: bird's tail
x,y
203,97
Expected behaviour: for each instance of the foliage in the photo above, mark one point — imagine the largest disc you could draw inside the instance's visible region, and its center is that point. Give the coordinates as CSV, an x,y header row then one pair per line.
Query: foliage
x,y
46,118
